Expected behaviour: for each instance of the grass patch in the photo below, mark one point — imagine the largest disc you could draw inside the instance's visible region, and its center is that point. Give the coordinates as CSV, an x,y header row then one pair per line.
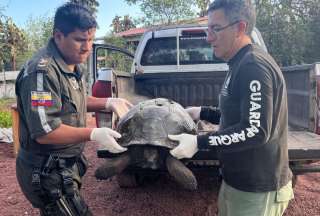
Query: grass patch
x,y
5,103
5,119
5,112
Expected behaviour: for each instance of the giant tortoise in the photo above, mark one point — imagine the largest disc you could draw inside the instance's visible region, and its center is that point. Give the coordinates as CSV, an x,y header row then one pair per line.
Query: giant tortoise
x,y
144,131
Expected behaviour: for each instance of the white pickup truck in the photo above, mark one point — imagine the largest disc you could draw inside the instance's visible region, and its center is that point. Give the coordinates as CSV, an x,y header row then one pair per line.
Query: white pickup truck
x,y
177,63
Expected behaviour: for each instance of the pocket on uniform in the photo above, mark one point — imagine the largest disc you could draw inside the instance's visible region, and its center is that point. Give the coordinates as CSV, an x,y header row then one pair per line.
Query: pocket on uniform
x,y
285,193
71,119
51,181
68,106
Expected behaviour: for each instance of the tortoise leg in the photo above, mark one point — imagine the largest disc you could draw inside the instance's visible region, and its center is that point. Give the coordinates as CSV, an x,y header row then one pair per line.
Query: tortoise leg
x,y
127,180
113,166
182,174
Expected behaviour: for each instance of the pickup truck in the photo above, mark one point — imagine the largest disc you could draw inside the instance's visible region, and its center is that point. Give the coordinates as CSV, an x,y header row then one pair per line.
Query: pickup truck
x,y
177,63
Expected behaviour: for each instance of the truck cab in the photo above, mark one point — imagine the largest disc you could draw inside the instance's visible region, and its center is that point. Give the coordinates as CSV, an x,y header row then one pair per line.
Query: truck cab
x,y
179,49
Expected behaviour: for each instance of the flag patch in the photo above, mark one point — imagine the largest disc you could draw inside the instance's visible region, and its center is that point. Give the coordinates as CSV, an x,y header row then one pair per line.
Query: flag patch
x,y
41,98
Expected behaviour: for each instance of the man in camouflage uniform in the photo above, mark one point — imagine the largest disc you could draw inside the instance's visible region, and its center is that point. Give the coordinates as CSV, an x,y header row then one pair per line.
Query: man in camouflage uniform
x,y
52,103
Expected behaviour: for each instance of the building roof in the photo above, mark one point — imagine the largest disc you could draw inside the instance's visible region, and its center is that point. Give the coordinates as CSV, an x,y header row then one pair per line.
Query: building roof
x,y
132,32
139,31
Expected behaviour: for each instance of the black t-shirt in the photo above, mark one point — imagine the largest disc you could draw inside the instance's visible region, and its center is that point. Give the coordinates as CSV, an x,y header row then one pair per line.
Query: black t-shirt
x,y
252,137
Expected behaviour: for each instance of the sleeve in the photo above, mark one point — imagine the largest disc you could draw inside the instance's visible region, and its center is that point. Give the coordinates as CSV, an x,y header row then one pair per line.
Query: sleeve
x,y
41,102
255,85
210,114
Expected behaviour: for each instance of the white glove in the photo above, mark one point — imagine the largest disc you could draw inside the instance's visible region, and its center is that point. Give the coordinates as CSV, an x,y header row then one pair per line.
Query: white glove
x,y
187,147
106,139
194,112
119,106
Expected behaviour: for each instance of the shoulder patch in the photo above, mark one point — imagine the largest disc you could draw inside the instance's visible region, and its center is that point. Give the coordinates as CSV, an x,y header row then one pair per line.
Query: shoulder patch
x,y
41,98
43,63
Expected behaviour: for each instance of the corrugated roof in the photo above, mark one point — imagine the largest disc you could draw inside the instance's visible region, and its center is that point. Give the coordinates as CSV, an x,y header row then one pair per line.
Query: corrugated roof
x,y
132,32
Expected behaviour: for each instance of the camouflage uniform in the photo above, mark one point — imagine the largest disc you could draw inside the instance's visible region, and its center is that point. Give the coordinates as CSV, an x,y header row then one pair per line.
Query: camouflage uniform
x,y
49,94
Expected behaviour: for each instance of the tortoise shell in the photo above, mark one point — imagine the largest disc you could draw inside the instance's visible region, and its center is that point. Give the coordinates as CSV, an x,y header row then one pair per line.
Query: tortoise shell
x,y
149,123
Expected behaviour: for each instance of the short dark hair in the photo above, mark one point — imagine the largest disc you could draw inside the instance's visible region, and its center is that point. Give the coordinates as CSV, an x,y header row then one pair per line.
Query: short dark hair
x,y
236,10
72,16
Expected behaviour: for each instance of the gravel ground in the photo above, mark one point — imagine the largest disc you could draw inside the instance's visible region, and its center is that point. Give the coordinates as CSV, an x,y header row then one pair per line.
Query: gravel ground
x,y
163,198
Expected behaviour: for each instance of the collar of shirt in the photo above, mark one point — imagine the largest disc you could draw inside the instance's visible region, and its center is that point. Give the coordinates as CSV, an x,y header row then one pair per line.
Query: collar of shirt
x,y
239,55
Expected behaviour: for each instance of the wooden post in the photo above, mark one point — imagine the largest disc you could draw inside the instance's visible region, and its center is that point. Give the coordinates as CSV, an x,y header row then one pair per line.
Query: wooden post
x,y
15,129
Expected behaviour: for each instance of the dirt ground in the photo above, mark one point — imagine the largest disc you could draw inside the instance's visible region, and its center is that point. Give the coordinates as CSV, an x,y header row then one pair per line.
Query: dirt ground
x,y
163,198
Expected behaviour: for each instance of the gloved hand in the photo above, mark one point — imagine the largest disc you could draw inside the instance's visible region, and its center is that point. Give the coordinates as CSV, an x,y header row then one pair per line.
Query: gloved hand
x,y
194,112
106,139
119,106
187,147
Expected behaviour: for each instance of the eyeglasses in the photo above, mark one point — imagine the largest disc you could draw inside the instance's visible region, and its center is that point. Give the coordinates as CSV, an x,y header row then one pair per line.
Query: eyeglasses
x,y
213,30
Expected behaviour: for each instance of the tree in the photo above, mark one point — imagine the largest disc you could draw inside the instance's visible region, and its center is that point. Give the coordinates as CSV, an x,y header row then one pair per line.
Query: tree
x,y
2,43
164,11
312,53
15,41
203,6
122,24
116,24
127,23
12,43
290,29
116,60
92,5
38,31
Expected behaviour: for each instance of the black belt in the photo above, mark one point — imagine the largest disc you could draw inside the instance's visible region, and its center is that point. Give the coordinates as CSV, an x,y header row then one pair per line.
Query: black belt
x,y
38,160
31,158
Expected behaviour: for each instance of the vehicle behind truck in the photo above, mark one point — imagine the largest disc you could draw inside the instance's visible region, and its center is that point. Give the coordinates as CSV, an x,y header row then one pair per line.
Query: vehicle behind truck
x,y
177,63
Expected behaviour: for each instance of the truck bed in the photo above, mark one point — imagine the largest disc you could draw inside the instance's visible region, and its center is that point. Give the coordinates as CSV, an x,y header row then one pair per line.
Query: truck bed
x,y
202,88
303,145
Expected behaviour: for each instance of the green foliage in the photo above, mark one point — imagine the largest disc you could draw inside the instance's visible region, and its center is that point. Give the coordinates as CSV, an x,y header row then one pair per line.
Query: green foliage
x,y
312,53
116,60
12,43
122,24
5,119
290,29
91,4
5,103
5,114
164,11
38,31
203,6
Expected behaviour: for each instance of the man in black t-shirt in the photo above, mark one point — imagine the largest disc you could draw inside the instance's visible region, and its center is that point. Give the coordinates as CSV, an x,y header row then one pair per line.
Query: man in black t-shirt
x,y
252,138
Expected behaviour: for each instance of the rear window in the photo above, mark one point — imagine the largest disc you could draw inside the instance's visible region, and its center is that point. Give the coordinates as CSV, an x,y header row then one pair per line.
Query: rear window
x,y
193,49
196,50
160,51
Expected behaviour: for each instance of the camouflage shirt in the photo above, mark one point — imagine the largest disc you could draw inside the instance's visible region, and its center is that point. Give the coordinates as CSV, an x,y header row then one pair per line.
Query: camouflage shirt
x,y
49,94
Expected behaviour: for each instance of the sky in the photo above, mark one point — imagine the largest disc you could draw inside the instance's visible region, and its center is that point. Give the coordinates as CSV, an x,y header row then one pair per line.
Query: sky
x,y
21,10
